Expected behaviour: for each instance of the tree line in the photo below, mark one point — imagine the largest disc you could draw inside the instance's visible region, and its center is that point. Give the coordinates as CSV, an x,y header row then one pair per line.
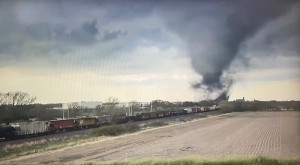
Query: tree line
x,y
21,106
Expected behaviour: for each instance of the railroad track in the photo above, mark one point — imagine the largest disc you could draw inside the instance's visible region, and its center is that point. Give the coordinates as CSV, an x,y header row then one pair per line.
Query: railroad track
x,y
87,132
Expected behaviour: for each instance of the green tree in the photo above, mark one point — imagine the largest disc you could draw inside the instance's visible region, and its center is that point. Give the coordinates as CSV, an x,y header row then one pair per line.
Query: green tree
x,y
111,103
15,106
74,108
160,104
134,105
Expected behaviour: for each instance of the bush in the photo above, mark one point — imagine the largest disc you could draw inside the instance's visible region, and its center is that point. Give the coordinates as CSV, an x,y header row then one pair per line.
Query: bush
x,y
195,161
111,130
114,130
156,124
131,127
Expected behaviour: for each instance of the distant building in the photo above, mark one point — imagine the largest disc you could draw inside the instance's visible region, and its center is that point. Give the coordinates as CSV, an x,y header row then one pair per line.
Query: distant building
x,y
90,104
83,104
240,100
142,105
123,105
53,106
178,103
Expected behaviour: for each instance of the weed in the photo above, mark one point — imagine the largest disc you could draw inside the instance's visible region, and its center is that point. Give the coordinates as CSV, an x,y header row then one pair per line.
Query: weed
x,y
114,130
156,124
197,161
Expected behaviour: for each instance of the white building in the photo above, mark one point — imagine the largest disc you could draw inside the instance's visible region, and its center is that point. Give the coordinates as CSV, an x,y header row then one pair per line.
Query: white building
x,y
83,104
90,104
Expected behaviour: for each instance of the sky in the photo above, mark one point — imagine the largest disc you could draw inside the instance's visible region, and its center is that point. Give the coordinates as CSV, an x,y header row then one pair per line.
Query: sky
x,y
65,51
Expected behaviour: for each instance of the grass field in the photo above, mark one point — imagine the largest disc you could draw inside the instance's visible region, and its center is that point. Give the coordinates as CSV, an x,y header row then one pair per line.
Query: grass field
x,y
236,138
197,161
27,148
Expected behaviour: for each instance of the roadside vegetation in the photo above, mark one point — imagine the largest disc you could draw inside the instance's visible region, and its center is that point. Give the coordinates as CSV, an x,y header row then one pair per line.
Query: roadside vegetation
x,y
21,106
198,161
38,146
155,124
114,130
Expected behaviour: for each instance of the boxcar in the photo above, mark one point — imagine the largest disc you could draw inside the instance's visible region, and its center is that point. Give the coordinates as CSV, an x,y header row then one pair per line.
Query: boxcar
x,y
153,115
160,114
30,128
103,120
188,110
144,116
7,132
61,125
167,113
206,109
120,119
182,112
174,113
194,110
86,122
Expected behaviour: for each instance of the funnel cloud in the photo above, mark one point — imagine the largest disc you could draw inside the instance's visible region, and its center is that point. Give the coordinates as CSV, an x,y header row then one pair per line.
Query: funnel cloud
x,y
215,32
202,49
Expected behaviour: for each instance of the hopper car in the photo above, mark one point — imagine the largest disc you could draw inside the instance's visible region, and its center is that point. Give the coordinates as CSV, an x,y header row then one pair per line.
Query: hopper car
x,y
35,128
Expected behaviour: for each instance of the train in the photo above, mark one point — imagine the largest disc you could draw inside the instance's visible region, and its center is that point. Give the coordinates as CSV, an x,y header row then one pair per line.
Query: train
x,y
11,131
36,128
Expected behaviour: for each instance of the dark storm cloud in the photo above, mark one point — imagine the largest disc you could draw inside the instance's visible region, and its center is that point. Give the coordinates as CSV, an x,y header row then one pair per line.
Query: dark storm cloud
x,y
280,36
55,37
215,33
85,34
61,26
107,36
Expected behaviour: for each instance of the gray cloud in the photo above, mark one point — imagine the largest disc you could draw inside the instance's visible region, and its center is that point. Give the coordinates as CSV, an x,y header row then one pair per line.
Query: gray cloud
x,y
214,33
44,28
42,35
277,37
107,36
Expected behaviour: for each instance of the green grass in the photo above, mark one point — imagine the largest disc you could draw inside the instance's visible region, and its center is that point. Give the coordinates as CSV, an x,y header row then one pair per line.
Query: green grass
x,y
39,146
198,161
156,124
114,130
27,148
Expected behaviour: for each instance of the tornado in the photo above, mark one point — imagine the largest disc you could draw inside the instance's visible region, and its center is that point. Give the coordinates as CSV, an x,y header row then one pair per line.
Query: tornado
x,y
214,32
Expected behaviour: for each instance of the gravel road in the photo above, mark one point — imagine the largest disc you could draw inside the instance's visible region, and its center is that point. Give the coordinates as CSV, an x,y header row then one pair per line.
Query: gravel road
x,y
245,134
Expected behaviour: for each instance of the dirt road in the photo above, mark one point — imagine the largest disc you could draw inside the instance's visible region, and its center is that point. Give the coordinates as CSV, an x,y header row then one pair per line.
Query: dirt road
x,y
274,134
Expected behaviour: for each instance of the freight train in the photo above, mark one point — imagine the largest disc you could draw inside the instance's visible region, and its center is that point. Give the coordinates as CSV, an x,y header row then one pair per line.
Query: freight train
x,y
36,128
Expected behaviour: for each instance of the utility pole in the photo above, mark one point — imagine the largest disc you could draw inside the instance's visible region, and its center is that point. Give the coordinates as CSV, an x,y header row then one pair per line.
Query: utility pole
x,y
129,111
151,107
68,113
63,114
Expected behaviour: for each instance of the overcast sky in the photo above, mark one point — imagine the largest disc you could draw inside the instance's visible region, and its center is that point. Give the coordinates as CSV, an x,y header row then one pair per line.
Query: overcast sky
x,y
64,51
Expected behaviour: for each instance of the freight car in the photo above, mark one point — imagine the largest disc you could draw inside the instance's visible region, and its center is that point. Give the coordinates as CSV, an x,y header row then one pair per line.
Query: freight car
x,y
153,115
87,122
62,125
103,120
17,130
120,119
7,132
181,112
30,128
189,110
160,114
